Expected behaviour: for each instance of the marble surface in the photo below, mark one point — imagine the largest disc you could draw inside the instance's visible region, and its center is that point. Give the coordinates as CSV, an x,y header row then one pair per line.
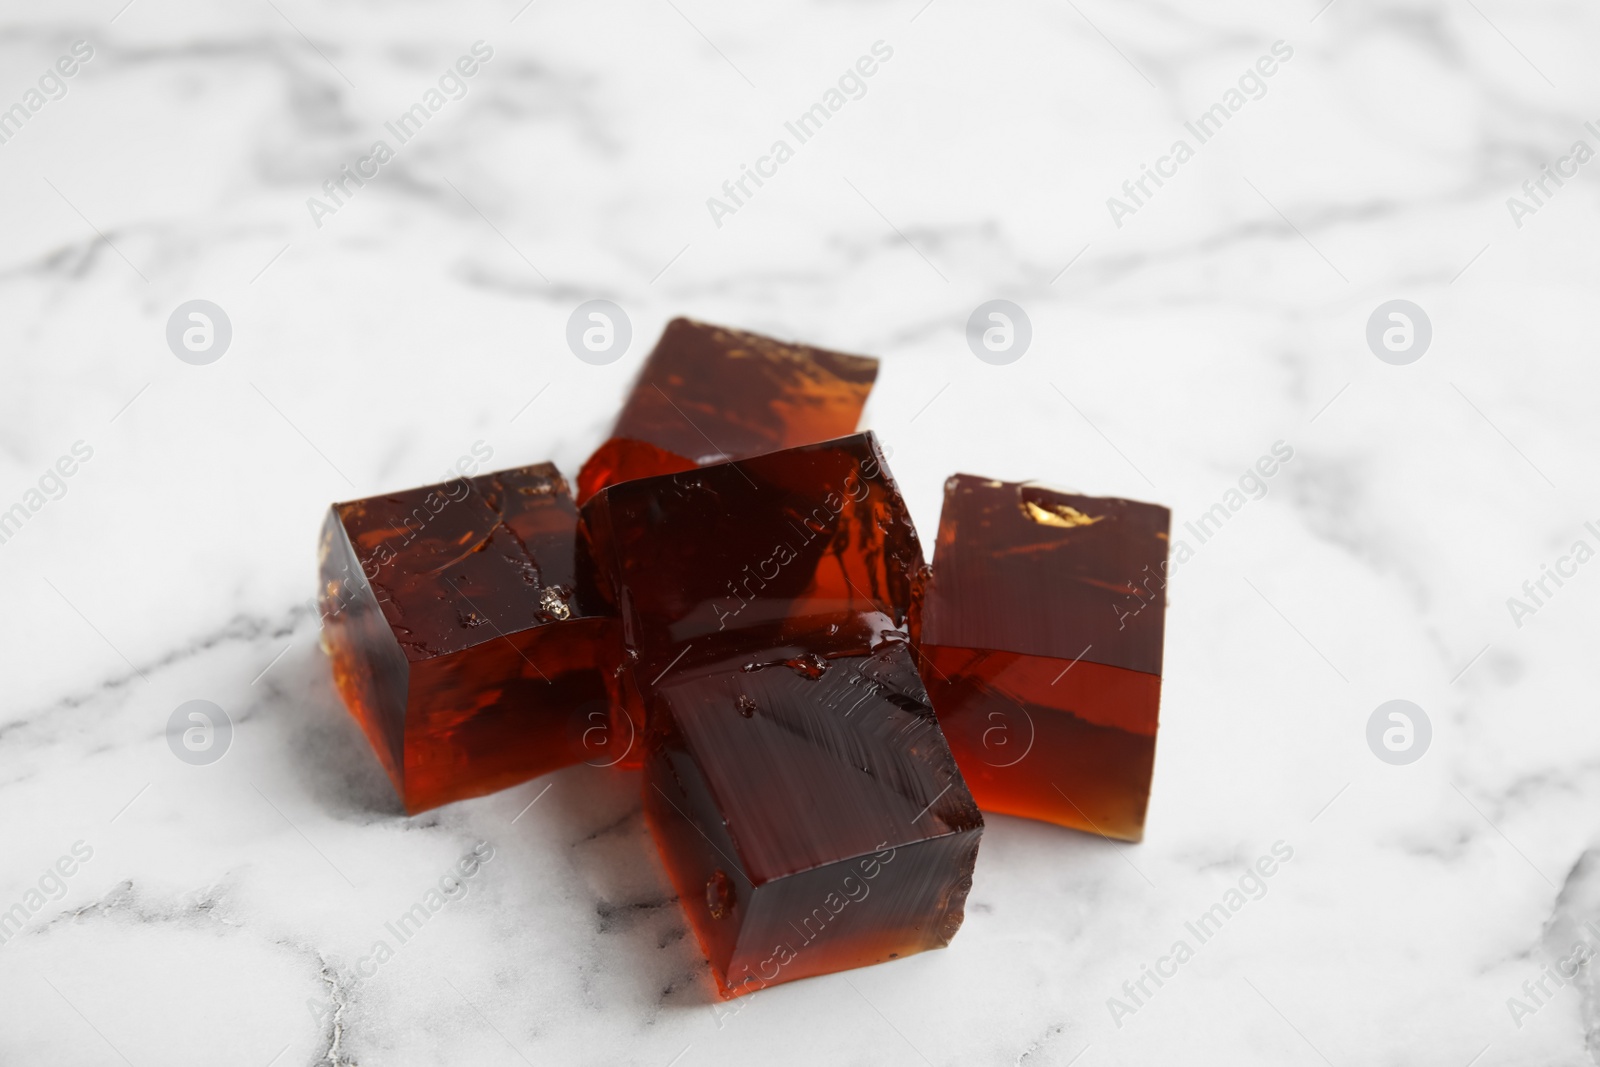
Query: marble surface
x,y
226,913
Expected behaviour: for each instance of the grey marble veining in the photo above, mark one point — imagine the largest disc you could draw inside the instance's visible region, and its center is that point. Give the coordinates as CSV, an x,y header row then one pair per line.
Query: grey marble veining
x,y
1442,911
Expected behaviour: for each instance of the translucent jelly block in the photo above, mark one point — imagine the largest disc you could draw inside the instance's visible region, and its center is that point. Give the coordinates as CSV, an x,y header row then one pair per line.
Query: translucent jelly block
x,y
457,637
622,459
708,394
808,811
1041,631
788,739
811,544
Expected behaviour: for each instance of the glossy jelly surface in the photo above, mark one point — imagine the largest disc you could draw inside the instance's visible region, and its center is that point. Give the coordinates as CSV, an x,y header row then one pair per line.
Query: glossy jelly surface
x,y
1041,628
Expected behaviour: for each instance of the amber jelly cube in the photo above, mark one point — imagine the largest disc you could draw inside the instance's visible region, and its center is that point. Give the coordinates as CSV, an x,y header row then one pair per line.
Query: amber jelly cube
x,y
813,544
816,538
810,815
708,394
805,802
1041,631
457,636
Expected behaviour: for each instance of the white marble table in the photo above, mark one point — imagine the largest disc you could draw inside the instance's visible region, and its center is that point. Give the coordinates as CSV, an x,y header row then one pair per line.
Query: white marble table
x,y
1176,338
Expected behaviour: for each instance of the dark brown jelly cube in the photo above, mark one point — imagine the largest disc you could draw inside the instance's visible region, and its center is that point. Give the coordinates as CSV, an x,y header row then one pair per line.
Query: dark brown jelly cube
x,y
457,636
808,812
764,604
708,394
812,544
1041,631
